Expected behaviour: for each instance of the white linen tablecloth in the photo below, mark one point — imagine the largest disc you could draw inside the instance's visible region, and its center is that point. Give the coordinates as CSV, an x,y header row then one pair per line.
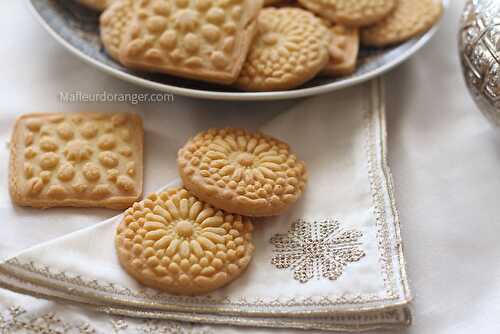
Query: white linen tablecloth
x,y
358,283
444,156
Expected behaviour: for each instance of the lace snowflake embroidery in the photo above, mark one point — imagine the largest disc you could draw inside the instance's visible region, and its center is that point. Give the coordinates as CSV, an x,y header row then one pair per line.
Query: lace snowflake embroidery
x,y
316,250
18,320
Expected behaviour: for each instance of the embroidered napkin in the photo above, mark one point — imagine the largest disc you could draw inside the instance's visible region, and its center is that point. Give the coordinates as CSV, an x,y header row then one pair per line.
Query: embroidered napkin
x,y
332,262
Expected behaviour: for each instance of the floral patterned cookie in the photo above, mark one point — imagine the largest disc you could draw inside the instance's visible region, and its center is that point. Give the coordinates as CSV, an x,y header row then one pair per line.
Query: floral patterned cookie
x,y
290,48
410,18
251,174
174,242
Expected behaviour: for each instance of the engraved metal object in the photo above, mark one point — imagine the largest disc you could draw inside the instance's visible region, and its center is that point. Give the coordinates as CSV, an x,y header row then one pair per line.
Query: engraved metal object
x,y
479,48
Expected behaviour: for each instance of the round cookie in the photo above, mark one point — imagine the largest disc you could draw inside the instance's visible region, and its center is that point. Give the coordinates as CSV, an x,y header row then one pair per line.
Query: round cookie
x,y
98,5
113,23
174,242
290,48
355,13
410,18
251,174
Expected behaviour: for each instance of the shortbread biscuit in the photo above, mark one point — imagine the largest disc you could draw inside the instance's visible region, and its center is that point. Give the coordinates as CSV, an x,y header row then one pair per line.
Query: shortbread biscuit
x,y
357,13
204,40
83,159
290,48
174,242
251,174
410,19
344,50
98,5
113,24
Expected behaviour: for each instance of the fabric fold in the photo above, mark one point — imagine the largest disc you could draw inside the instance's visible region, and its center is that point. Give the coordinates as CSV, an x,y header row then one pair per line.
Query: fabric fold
x,y
332,262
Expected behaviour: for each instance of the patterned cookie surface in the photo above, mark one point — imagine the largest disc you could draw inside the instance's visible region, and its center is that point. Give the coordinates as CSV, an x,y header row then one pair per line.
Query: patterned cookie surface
x,y
290,48
98,5
351,12
113,24
245,173
204,40
343,51
410,18
76,159
174,242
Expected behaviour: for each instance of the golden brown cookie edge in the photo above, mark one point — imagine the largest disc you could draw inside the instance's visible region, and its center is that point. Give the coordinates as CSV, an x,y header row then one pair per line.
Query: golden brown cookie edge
x,y
115,202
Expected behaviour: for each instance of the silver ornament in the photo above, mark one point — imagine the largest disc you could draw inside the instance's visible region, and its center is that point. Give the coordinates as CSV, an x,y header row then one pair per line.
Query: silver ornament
x,y
479,48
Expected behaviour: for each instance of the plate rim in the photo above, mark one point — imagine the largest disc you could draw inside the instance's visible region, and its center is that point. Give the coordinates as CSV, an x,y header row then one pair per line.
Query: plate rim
x,y
239,96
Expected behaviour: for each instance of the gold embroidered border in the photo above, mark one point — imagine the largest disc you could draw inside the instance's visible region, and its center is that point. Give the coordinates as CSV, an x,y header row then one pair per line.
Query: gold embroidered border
x,y
388,179
372,142
17,319
106,293
375,120
378,154
390,318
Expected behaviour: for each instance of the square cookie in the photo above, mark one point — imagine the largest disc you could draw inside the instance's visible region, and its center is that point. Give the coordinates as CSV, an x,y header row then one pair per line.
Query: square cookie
x,y
84,159
203,40
344,49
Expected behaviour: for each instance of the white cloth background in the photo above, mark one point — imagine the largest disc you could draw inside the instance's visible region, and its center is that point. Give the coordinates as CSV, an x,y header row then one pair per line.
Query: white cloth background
x,y
341,141
444,157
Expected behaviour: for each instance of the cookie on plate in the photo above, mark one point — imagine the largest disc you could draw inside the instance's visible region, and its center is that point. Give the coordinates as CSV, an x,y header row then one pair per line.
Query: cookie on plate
x,y
174,242
357,13
203,40
98,5
410,19
113,24
83,159
251,174
290,48
344,50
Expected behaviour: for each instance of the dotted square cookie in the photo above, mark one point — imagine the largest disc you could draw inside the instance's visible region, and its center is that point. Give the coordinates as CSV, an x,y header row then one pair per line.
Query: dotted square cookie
x,y
85,159
204,40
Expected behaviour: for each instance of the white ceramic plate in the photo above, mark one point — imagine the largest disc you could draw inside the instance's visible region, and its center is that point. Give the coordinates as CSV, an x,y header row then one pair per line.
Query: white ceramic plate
x,y
77,29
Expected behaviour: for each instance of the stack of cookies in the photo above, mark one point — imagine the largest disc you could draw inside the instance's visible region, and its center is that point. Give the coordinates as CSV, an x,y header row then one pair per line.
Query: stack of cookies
x,y
187,240
198,238
240,43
